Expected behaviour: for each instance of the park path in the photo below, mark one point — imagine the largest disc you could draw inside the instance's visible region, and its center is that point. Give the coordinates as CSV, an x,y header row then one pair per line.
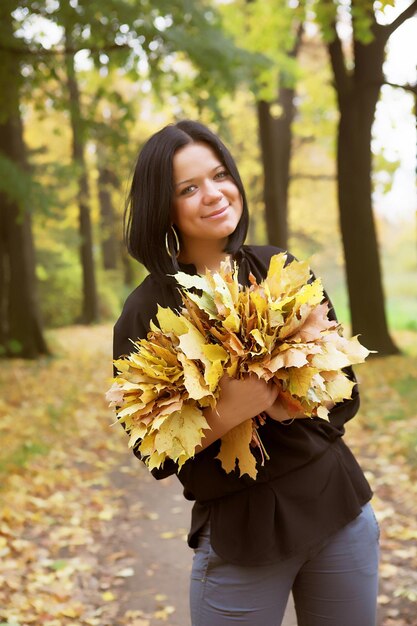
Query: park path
x,y
153,522
87,534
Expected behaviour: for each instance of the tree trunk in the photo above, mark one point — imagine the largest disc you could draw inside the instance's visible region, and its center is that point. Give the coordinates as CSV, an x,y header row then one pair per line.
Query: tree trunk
x,y
275,213
109,243
21,331
89,312
4,265
20,321
358,96
275,133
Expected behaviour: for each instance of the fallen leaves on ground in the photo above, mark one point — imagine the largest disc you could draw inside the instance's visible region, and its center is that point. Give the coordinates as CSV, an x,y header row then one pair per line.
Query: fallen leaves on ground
x,y
58,509
384,437
64,558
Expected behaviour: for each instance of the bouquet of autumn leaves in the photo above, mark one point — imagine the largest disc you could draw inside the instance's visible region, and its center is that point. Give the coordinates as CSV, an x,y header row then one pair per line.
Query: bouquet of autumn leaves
x,y
278,330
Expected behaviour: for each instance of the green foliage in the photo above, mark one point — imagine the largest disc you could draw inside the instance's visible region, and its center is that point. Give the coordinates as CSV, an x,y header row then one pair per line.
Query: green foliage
x,y
315,125
110,293
147,40
59,288
268,29
326,15
186,52
363,19
21,187
361,13
221,64
60,285
383,171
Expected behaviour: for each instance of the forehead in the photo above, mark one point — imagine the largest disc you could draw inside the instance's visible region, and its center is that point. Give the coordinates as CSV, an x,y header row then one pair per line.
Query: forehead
x,y
193,160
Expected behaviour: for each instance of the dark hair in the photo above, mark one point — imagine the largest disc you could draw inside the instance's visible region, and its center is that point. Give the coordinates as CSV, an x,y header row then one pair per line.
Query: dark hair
x,y
148,214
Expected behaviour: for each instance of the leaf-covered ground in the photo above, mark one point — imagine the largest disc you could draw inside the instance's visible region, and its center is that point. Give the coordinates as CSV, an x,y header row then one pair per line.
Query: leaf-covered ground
x,y
81,541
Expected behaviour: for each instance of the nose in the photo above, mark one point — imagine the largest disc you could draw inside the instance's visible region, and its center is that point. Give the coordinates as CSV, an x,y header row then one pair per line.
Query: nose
x,y
212,193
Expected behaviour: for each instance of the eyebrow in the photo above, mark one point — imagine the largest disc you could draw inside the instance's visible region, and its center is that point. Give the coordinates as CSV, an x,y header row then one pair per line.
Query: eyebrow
x,y
190,180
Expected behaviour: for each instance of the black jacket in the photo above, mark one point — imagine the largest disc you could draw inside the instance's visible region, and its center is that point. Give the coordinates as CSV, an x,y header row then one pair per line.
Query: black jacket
x,y
311,486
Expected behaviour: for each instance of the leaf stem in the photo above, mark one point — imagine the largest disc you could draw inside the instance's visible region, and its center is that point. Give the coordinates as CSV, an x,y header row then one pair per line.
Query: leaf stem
x,y
258,440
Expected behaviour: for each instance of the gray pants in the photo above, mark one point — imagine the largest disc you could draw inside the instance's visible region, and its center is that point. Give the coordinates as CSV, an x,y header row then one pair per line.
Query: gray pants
x,y
335,584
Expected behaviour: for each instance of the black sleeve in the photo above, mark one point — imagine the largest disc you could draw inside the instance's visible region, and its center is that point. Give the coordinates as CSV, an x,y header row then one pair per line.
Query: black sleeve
x,y
131,325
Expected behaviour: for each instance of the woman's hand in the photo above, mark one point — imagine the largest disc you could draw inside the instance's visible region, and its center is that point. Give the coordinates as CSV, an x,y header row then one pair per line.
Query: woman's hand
x,y
280,413
239,400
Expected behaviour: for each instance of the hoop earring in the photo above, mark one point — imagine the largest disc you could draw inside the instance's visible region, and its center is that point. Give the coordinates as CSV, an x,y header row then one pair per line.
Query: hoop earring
x,y
176,242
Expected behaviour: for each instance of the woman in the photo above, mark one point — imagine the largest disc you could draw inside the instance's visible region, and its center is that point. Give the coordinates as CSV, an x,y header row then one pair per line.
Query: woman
x,y
305,524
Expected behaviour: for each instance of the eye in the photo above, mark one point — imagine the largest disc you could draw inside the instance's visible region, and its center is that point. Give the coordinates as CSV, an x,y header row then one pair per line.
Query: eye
x,y
222,174
187,190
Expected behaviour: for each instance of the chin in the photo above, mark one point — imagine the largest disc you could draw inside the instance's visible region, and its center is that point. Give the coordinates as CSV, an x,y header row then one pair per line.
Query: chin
x,y
227,230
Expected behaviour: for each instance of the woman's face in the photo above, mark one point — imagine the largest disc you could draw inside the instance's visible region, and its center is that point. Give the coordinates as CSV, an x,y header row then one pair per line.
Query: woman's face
x,y
207,204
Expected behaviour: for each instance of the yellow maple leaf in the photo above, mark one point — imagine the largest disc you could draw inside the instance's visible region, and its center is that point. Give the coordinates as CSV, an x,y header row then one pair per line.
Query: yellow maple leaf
x,y
330,358
205,303
214,352
147,445
322,412
115,394
299,380
278,329
193,379
294,321
274,276
354,350
233,369
235,446
136,433
191,341
155,460
130,410
183,428
190,281
195,347
222,293
315,324
286,279
170,322
289,356
338,386
163,353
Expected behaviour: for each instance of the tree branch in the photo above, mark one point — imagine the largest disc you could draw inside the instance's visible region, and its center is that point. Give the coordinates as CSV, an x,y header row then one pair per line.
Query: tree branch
x,y
337,59
407,87
405,15
298,40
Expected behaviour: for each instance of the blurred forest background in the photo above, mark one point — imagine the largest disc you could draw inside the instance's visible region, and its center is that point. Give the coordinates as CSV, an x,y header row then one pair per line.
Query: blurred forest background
x,y
294,88
316,100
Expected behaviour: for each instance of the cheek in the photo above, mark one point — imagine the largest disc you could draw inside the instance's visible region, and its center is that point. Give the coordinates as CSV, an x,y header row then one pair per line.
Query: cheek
x,y
180,214
240,202
235,193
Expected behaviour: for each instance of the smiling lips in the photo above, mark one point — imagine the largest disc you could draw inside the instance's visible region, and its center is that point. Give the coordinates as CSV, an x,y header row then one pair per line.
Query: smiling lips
x,y
216,213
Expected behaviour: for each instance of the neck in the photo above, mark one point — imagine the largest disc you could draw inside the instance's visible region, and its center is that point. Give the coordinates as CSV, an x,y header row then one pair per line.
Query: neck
x,y
204,256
